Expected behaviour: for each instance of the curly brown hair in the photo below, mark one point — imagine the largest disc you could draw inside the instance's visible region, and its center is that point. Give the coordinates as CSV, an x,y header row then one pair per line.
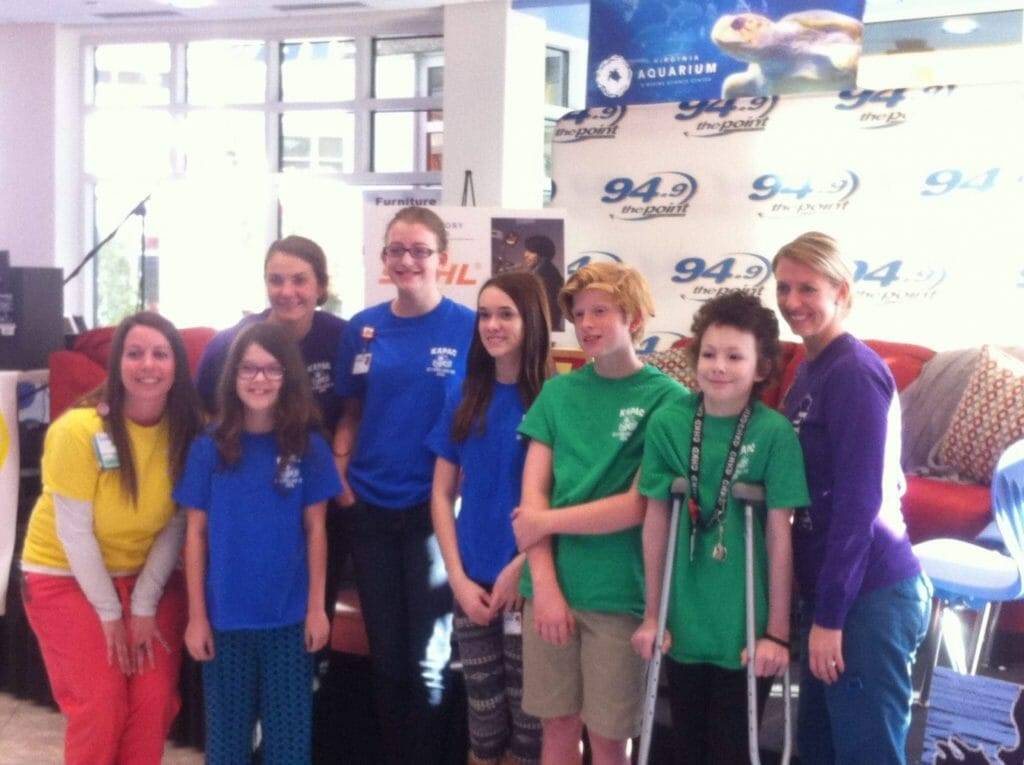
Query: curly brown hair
x,y
744,312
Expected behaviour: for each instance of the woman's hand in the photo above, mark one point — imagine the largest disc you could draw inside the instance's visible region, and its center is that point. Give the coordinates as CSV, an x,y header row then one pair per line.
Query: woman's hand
x,y
528,526
145,635
552,619
318,629
473,599
645,636
116,635
199,639
825,654
505,595
770,658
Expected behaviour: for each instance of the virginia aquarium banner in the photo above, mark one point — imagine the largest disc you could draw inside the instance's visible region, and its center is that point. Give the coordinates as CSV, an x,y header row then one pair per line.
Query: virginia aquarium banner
x,y
656,51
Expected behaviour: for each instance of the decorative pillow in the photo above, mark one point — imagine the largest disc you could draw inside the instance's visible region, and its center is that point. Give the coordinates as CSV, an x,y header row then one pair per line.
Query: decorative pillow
x,y
989,417
675,362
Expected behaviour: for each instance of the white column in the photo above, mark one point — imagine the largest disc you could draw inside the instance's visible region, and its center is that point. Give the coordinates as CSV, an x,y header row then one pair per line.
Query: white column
x,y
493,104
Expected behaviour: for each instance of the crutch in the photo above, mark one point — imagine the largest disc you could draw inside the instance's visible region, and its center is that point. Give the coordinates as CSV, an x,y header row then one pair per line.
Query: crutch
x,y
678,490
751,494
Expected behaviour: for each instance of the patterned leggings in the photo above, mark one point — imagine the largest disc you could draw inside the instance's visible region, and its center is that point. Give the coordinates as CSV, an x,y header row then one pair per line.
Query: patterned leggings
x,y
492,664
264,675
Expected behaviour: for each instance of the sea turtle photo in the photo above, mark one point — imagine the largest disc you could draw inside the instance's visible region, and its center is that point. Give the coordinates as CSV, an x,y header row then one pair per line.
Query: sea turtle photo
x,y
810,50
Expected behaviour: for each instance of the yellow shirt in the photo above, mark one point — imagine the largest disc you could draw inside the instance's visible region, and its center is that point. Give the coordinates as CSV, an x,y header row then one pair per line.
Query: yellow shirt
x,y
71,468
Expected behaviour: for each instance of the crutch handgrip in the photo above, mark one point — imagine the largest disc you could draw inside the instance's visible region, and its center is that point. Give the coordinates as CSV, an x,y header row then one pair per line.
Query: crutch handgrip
x,y
678,490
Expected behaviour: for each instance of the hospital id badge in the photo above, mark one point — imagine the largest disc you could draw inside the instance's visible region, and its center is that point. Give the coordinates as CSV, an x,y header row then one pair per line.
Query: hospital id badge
x,y
106,452
512,623
361,363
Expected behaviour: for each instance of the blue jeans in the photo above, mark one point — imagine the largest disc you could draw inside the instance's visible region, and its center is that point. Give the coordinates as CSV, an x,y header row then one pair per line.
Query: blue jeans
x,y
865,716
407,608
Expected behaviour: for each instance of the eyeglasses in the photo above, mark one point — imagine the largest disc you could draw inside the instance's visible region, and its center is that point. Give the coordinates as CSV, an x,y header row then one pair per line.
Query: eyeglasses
x,y
270,371
418,251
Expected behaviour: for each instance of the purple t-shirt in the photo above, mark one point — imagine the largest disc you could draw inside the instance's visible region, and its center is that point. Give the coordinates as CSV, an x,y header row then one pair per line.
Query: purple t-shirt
x,y
852,539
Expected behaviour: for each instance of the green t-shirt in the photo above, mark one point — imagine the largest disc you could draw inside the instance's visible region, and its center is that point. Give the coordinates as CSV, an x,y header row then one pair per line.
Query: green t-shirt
x,y
595,428
707,605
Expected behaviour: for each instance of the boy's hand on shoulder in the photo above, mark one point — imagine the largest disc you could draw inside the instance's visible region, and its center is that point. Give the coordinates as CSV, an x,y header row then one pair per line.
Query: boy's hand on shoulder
x,y
646,635
318,629
199,639
552,619
528,524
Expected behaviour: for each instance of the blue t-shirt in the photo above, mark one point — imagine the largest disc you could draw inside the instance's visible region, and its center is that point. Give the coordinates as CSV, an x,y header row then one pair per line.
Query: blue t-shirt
x,y
493,475
319,348
256,573
413,361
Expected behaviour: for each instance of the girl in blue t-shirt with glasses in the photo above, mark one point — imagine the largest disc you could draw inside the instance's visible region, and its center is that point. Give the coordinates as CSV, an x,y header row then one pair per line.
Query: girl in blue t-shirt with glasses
x,y
395,362
256,489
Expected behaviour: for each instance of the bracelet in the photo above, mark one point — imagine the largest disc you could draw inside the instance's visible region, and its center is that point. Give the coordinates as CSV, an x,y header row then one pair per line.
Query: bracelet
x,y
776,640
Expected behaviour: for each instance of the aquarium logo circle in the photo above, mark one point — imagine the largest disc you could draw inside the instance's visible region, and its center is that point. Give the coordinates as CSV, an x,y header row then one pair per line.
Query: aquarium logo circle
x,y
614,76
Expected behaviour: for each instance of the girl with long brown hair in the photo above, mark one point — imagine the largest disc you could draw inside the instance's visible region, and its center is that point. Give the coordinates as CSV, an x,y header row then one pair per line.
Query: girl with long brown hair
x,y
476,440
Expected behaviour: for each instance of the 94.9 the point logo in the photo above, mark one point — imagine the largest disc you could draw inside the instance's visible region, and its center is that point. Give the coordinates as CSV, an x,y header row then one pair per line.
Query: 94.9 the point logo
x,y
666,195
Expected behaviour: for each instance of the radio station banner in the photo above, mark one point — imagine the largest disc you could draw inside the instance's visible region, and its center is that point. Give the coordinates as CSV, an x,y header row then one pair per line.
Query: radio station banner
x,y
656,51
481,241
9,475
923,189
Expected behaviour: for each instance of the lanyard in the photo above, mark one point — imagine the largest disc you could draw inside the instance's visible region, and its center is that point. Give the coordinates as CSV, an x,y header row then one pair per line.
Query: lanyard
x,y
696,439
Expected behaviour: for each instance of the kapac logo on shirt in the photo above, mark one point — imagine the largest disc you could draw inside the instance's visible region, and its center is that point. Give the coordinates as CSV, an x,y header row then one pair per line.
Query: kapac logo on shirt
x,y
291,476
629,419
320,376
746,451
442,362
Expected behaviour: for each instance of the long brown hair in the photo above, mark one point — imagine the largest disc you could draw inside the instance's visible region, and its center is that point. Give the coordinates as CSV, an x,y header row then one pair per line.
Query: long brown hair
x,y
183,408
527,292
296,411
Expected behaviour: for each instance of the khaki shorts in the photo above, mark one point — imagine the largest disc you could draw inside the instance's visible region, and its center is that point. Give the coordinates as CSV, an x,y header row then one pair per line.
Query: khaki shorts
x,y
596,676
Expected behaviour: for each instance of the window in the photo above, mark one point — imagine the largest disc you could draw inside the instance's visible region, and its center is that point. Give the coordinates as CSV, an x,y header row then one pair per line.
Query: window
x,y
239,141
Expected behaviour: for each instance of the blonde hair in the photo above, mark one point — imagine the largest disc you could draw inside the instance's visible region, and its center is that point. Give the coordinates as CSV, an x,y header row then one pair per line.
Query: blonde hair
x,y
821,254
624,283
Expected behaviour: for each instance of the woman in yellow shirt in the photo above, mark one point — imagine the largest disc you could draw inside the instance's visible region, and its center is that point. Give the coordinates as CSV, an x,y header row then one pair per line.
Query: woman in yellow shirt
x,y
99,581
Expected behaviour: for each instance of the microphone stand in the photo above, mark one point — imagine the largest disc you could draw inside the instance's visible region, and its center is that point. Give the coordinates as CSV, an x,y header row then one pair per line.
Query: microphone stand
x,y
139,209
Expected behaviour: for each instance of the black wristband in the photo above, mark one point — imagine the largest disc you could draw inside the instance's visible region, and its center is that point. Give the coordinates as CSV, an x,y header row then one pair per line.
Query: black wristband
x,y
776,640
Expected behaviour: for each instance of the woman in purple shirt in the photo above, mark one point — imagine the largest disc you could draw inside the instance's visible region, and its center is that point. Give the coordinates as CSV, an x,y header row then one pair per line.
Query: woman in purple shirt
x,y
864,600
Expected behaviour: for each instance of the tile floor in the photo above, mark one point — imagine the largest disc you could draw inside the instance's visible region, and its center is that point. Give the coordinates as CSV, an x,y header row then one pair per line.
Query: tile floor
x,y
31,734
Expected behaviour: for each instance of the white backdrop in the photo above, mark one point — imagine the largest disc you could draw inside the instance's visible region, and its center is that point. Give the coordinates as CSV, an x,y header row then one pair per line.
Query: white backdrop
x,y
922,188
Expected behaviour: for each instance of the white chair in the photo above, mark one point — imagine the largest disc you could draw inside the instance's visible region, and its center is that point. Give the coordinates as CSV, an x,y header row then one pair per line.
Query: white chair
x,y
968,575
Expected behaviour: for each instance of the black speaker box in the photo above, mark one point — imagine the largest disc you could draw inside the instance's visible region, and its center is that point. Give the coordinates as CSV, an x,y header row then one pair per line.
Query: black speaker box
x,y
36,303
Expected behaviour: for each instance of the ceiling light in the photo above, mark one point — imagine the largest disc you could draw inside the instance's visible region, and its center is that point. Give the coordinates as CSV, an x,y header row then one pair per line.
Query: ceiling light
x,y
959,25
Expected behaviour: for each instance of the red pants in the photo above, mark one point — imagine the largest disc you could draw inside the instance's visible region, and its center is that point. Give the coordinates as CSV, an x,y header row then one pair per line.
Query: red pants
x,y
113,719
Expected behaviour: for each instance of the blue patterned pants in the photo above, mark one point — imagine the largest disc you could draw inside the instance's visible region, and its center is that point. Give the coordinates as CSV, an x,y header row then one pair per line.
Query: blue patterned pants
x,y
263,675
